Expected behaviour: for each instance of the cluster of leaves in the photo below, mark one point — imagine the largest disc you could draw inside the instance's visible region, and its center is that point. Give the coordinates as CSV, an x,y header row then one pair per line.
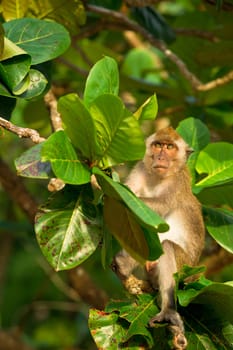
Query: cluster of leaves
x,y
96,132
99,133
123,325
26,44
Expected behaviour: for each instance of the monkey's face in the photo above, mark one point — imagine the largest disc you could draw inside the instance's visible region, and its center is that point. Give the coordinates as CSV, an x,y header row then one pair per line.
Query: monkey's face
x,y
166,153
163,155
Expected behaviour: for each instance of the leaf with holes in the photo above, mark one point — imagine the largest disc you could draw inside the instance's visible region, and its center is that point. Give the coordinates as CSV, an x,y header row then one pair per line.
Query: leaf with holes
x,y
68,236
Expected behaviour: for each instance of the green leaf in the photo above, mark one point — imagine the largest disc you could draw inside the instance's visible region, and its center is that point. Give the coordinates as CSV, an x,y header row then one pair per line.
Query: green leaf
x,y
138,314
103,78
148,110
68,236
214,296
35,85
29,164
139,64
14,9
219,223
105,329
134,224
188,271
118,132
58,150
215,160
217,196
69,13
201,341
194,132
79,126
14,66
42,40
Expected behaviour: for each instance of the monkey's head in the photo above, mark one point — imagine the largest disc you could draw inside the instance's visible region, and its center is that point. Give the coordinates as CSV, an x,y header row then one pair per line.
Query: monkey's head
x,y
166,152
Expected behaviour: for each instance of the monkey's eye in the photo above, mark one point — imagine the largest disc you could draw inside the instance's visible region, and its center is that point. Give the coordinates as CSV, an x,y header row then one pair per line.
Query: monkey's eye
x,y
170,146
158,145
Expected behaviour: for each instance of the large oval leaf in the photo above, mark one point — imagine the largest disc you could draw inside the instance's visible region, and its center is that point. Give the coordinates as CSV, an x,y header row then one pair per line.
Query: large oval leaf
x,y
79,126
68,236
219,223
42,40
140,225
194,132
118,132
66,166
216,160
103,78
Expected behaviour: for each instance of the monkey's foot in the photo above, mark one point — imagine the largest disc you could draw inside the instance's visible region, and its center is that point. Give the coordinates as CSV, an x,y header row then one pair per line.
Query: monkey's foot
x,y
179,340
176,327
170,316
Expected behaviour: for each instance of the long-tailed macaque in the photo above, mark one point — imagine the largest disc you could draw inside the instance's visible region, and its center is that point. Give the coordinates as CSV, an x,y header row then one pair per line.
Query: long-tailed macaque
x,y
163,182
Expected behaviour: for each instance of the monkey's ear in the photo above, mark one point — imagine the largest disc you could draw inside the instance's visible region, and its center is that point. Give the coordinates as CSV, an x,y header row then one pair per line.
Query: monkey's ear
x,y
189,151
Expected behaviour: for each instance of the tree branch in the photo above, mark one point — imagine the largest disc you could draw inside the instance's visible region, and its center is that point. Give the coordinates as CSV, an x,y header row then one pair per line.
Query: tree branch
x,y
51,103
119,21
15,187
21,132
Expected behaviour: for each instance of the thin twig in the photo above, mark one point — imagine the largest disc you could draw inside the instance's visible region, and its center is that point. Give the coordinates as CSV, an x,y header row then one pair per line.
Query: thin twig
x,y
51,103
217,82
21,132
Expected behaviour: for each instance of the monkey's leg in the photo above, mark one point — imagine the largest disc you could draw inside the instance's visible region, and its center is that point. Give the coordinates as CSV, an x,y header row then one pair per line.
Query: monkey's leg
x,y
166,268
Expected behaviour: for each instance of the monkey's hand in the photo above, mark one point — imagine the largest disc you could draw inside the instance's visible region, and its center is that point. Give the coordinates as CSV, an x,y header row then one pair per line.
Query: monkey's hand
x,y
176,327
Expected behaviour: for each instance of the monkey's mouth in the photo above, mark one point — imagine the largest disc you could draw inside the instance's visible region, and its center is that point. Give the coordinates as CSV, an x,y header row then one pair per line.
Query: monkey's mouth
x,y
160,167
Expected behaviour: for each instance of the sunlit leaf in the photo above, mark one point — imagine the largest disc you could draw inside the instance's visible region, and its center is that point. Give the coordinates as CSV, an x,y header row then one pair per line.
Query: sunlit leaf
x,y
2,34
103,78
194,132
79,126
58,150
219,223
42,40
117,130
148,110
216,160
70,13
14,66
14,9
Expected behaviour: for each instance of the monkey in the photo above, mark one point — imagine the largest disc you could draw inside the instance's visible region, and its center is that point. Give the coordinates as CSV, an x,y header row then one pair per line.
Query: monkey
x,y
162,181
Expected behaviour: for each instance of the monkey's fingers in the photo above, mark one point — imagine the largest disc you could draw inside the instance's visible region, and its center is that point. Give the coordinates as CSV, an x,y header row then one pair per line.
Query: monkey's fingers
x,y
168,315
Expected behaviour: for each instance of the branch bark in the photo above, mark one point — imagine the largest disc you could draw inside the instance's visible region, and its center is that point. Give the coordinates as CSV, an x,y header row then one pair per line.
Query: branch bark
x,y
21,132
16,189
